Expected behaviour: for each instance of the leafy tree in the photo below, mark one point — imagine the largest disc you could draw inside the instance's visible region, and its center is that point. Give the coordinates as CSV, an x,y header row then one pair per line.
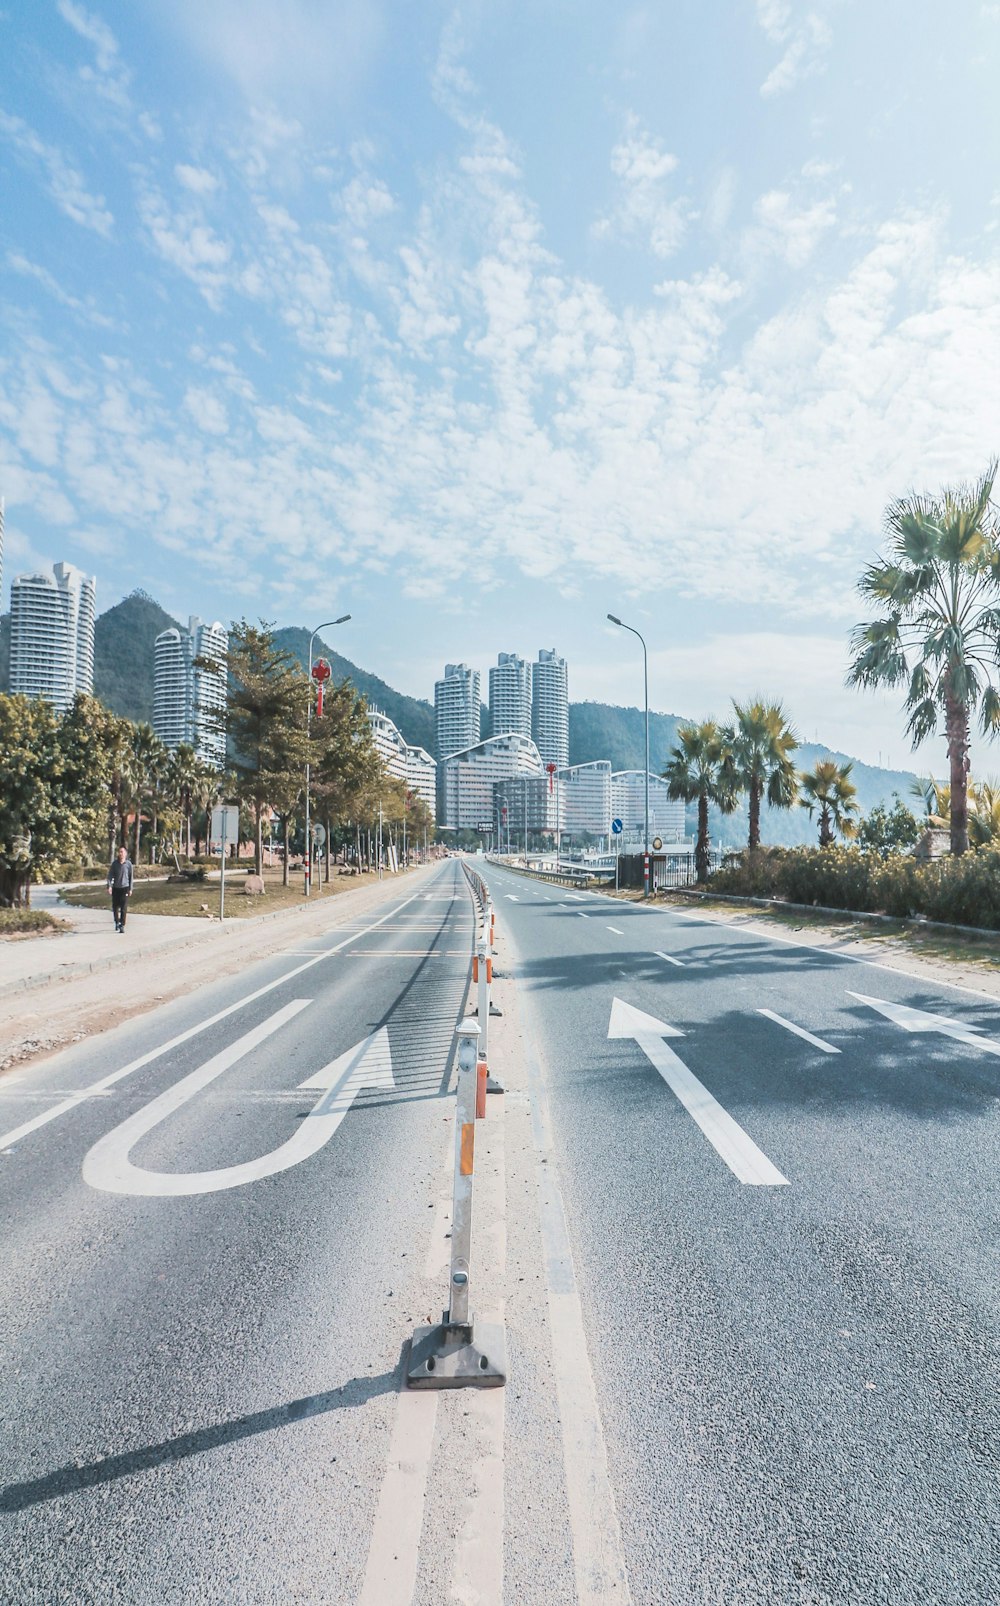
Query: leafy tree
x,y
829,789
700,770
984,824
760,743
938,631
264,720
888,831
40,820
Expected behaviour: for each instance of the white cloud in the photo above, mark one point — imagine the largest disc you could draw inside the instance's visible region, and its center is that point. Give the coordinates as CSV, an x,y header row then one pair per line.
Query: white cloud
x,y
283,51
188,243
64,183
644,210
789,230
805,38
196,179
207,410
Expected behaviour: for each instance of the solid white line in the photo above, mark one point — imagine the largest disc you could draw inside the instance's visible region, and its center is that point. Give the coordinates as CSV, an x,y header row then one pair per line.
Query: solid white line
x,y
616,931
800,1031
391,1573
598,1554
670,959
19,1132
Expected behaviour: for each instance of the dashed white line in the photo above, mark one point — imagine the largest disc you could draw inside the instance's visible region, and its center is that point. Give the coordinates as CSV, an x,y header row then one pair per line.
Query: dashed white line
x,y
800,1031
581,915
670,959
617,932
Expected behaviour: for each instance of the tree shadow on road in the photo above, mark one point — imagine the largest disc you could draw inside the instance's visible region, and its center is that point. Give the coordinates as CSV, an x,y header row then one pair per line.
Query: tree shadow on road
x,y
72,1478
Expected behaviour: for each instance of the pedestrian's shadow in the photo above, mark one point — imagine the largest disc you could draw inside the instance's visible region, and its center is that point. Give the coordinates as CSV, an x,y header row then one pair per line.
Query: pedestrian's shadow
x,y
70,1479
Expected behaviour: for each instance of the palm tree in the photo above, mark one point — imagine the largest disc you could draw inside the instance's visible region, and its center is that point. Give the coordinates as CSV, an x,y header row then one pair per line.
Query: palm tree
x,y
696,771
761,743
939,629
182,778
830,789
984,823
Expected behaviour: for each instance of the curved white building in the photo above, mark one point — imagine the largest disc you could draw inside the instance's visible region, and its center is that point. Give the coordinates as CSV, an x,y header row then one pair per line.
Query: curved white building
x,y
412,765
52,634
466,779
628,804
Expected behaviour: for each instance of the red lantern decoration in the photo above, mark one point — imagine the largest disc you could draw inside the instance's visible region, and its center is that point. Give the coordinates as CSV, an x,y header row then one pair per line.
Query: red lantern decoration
x,y
320,674
551,770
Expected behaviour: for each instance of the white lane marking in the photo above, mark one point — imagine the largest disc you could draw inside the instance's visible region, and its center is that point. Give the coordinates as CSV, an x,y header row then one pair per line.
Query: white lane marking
x,y
919,1020
670,959
511,897
800,1031
598,1554
107,1165
581,916
727,1137
22,1131
391,1573
616,931
574,897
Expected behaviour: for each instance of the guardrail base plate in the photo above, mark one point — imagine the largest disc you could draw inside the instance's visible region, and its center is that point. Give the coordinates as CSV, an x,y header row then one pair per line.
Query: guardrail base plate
x,y
457,1355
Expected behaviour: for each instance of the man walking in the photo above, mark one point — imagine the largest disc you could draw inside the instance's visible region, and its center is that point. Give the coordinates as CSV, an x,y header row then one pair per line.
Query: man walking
x,y
119,886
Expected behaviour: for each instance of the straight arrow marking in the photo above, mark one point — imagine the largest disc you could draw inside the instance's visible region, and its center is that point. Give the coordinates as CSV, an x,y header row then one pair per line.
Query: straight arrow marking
x,y
920,1020
727,1137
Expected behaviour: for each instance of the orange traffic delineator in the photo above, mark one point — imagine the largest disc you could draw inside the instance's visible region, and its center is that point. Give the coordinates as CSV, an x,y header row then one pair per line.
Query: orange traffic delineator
x,y
489,970
475,967
482,1077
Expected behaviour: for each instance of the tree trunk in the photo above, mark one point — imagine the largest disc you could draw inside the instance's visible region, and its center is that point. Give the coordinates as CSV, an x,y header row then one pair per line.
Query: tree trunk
x,y
957,730
825,833
284,837
258,840
15,886
703,843
754,839
138,833
329,835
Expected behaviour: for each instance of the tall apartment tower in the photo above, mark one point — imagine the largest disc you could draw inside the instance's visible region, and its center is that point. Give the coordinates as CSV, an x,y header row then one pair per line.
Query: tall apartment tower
x,y
456,710
510,696
187,700
52,634
550,708
1,551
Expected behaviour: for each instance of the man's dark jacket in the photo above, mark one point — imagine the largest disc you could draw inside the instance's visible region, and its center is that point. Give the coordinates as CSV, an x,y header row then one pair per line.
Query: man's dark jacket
x,y
120,875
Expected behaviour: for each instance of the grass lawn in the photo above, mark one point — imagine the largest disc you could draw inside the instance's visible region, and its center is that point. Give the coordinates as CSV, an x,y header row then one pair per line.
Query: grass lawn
x,y
202,897
29,922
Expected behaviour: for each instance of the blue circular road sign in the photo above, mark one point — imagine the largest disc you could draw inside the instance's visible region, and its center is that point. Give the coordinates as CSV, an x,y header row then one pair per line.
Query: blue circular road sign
x,y
616,826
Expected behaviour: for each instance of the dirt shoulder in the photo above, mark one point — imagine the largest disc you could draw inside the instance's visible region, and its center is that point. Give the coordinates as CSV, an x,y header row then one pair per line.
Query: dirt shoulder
x,y
38,1021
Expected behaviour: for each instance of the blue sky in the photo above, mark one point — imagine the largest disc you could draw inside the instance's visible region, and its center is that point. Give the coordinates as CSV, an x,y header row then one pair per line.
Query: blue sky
x,y
477,321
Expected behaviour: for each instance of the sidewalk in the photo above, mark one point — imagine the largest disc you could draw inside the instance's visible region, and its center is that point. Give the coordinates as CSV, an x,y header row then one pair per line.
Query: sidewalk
x,y
53,989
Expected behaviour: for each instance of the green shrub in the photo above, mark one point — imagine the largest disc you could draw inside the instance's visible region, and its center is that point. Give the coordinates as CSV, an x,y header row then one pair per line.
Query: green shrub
x,y
963,891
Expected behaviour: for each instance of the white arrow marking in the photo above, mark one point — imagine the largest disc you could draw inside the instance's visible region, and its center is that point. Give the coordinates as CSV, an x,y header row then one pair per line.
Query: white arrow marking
x,y
919,1020
511,898
108,1167
727,1137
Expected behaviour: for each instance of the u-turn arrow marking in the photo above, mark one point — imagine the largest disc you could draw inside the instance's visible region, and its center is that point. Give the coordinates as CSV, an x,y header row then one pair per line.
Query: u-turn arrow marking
x,y
107,1165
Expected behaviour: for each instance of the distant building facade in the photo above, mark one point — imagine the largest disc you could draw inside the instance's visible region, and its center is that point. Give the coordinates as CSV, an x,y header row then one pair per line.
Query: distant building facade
x,y
52,634
456,710
188,701
575,801
412,765
510,696
550,707
628,804
466,779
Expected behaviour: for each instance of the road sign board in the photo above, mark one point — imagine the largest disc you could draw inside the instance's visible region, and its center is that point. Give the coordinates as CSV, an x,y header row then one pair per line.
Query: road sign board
x,y
225,824
617,827
484,826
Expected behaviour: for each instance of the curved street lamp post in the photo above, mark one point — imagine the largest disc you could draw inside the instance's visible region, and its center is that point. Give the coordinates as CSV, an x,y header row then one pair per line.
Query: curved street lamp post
x,y
326,625
645,687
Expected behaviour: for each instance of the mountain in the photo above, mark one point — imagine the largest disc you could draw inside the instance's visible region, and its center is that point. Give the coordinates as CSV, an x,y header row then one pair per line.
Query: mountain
x,y
413,718
124,640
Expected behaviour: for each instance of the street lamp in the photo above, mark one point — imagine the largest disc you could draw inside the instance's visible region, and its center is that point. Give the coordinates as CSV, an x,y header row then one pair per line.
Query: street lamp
x,y
645,686
326,625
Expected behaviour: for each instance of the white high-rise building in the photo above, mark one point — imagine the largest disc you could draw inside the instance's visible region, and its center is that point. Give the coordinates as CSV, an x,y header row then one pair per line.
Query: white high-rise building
x,y
412,765
550,708
456,710
1,552
188,699
628,804
52,634
510,696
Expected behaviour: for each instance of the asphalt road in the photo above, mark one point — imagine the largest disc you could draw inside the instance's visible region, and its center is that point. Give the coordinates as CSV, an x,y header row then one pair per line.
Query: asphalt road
x,y
797,1372
745,1247
198,1386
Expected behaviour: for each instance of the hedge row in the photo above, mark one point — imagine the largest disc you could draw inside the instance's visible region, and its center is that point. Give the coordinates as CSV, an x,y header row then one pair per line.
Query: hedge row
x,y
963,891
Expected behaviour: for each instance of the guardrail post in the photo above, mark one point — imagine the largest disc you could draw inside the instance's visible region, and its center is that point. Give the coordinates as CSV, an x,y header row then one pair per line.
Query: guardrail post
x,y
459,1352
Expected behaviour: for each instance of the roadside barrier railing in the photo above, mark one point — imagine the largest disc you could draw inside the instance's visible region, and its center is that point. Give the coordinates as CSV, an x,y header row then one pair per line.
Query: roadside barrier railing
x,y
460,1351
482,978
